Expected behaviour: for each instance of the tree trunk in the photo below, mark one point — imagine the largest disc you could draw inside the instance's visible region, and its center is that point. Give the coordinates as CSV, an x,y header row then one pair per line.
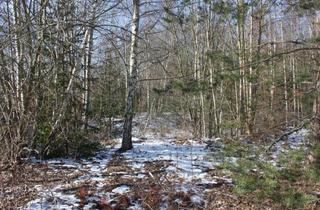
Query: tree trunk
x,y
132,79
241,58
87,74
284,66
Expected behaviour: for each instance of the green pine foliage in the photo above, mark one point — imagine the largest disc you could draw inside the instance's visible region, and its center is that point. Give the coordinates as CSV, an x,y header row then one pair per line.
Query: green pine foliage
x,y
254,177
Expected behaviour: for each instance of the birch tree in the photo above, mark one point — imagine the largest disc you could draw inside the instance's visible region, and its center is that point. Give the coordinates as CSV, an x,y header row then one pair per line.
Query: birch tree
x,y
132,78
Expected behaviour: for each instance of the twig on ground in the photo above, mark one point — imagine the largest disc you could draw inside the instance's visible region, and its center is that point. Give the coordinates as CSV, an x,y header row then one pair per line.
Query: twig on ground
x,y
280,138
135,173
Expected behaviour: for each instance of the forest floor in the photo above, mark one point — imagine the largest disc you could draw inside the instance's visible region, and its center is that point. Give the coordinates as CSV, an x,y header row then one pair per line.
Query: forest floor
x,y
167,169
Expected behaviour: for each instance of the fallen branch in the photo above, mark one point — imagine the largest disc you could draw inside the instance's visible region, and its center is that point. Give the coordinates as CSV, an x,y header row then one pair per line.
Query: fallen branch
x,y
44,180
134,174
306,122
314,193
157,181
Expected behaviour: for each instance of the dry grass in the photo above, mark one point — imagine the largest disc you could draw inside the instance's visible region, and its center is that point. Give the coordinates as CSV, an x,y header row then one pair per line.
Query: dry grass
x,y
18,187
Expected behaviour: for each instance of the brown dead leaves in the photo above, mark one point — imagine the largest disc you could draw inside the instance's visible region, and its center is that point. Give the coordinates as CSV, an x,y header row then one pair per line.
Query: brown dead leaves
x,y
121,203
104,204
152,198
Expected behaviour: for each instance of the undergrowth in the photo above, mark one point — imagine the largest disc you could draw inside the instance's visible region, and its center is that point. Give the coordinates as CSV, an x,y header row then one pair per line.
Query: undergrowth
x,y
286,183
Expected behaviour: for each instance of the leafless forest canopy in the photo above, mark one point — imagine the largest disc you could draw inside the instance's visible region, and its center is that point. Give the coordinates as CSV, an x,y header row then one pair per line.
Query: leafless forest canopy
x,y
229,67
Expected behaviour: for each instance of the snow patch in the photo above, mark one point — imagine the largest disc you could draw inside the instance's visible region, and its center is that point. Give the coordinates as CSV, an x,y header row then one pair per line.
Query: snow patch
x,y
121,189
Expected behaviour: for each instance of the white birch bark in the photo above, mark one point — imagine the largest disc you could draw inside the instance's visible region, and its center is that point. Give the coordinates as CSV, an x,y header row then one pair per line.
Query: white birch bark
x,y
284,67
132,78
87,72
